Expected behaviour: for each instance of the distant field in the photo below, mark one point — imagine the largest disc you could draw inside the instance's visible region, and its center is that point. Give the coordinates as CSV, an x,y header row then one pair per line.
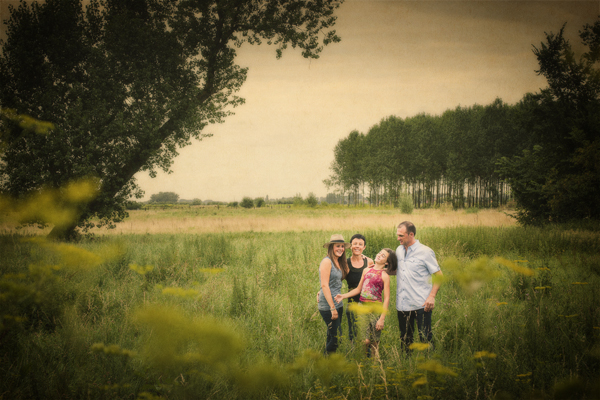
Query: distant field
x,y
214,220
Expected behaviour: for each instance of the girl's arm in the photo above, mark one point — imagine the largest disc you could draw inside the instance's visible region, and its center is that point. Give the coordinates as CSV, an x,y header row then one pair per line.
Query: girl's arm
x,y
324,273
354,291
386,300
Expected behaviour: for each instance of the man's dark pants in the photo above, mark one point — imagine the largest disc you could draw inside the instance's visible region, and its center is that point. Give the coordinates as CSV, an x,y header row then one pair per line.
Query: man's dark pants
x,y
406,322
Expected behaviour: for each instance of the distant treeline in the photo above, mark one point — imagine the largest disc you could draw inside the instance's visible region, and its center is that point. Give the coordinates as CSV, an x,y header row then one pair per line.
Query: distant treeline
x,y
435,159
543,151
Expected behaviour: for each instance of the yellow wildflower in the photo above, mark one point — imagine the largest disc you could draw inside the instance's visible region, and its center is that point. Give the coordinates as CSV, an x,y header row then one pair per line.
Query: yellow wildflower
x,y
482,354
112,349
82,191
213,271
142,270
372,307
179,292
419,346
419,382
437,367
513,266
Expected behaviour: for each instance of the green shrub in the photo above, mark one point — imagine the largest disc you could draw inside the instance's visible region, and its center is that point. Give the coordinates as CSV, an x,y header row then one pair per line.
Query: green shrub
x,y
311,200
247,202
133,205
406,204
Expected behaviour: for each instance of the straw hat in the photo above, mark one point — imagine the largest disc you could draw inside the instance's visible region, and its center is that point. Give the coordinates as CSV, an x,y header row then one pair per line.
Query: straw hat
x,y
337,239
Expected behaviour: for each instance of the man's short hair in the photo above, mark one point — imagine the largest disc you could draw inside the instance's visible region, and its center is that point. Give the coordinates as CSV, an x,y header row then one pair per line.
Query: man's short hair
x,y
409,226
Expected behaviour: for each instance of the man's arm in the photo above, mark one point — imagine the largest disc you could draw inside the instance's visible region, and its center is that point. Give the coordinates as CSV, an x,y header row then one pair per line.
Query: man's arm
x,y
430,301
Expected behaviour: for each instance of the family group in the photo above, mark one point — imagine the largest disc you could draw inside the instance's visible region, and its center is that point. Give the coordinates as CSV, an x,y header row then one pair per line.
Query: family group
x,y
368,282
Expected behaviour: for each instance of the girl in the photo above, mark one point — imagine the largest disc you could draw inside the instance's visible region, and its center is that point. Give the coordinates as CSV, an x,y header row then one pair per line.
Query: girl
x,y
374,289
332,270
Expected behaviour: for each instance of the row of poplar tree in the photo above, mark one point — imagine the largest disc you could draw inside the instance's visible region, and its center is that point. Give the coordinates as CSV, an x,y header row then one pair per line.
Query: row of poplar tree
x,y
543,152
436,159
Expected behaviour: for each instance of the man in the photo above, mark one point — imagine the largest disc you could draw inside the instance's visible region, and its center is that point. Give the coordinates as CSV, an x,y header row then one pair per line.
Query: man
x,y
415,293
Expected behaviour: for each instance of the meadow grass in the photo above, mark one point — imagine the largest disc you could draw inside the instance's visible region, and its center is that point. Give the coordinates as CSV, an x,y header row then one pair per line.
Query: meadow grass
x,y
220,219
233,315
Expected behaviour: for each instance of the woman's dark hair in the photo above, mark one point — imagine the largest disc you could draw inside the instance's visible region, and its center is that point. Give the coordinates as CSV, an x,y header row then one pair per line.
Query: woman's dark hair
x,y
341,261
359,236
392,260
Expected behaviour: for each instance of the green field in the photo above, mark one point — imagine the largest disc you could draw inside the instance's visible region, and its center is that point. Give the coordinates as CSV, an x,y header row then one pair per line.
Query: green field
x,y
233,315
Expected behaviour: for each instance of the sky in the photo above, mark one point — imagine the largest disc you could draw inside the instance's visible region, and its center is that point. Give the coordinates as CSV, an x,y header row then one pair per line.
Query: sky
x,y
396,57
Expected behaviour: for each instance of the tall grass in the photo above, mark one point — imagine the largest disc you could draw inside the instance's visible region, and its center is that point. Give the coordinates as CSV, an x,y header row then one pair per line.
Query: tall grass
x,y
233,315
294,219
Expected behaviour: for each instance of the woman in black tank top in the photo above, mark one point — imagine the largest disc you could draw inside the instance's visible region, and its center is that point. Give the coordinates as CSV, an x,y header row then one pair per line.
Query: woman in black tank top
x,y
357,263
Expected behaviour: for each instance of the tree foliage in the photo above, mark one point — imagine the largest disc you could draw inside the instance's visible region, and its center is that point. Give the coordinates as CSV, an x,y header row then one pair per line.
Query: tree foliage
x,y
128,82
164,197
431,159
557,176
247,202
311,200
544,151
259,202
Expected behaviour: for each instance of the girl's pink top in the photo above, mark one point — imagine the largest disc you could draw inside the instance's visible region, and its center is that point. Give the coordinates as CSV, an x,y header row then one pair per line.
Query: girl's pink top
x,y
372,286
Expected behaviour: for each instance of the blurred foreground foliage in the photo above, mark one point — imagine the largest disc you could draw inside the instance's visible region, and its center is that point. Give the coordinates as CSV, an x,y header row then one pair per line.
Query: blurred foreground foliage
x,y
233,316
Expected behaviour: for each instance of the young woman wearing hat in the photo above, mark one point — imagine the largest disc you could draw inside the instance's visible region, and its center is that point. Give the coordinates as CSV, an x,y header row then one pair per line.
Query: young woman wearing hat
x,y
332,270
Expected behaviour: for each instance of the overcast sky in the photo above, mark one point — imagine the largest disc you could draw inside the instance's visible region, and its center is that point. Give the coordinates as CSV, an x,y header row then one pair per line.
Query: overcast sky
x,y
395,58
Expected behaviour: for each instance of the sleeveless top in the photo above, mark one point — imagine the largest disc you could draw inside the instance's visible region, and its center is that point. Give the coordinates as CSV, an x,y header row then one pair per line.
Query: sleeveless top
x,y
372,286
335,286
353,279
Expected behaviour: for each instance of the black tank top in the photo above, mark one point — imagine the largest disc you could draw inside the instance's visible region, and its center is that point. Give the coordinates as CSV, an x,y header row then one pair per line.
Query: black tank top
x,y
353,278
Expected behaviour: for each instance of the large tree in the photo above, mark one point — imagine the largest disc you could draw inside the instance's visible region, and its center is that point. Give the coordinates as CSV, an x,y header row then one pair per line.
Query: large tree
x,y
557,177
164,197
128,82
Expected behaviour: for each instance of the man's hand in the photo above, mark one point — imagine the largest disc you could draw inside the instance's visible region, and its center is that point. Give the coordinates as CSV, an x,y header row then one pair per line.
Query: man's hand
x,y
429,304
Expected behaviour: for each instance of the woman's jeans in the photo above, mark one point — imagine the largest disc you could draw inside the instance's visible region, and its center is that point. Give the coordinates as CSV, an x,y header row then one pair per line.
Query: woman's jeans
x,y
334,329
406,322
